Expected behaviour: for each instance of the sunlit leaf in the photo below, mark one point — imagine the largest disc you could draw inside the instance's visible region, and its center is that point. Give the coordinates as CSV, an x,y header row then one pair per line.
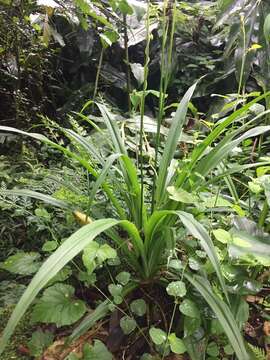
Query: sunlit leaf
x,y
158,336
177,289
177,345
223,236
189,308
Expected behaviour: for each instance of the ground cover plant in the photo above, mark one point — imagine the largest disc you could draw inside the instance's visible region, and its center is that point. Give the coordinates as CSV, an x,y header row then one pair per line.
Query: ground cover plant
x,y
172,255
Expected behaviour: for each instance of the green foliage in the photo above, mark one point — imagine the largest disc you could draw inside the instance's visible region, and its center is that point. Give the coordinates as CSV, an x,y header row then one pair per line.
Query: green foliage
x,y
39,342
258,353
138,307
123,277
127,324
58,305
158,336
95,254
22,263
96,352
177,345
151,207
189,308
177,289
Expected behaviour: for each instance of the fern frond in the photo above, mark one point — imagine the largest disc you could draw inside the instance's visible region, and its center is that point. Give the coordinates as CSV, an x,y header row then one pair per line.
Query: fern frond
x,y
259,353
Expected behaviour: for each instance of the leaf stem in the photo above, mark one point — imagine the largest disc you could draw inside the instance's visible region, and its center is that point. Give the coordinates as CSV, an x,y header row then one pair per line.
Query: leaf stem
x,y
170,329
164,82
127,62
263,214
98,74
146,62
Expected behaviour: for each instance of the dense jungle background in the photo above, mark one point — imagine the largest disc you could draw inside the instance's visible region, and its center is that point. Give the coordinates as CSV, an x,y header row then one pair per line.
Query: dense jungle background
x,y
135,179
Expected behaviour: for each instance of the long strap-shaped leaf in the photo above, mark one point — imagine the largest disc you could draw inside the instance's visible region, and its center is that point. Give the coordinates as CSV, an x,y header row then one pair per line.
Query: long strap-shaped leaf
x,y
130,227
199,232
232,170
128,169
37,195
72,155
216,155
113,130
196,230
91,150
90,320
223,313
65,253
102,176
200,150
171,144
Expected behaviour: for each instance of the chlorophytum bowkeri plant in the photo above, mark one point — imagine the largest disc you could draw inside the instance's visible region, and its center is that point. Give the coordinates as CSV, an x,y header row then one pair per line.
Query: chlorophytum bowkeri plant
x,y
144,217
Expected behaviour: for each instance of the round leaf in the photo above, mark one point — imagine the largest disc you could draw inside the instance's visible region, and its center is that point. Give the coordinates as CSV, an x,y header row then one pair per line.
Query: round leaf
x,y
191,325
212,349
21,263
127,324
175,264
228,350
177,289
98,351
123,277
49,246
177,345
118,299
193,264
39,342
189,308
138,307
222,236
58,305
158,336
115,290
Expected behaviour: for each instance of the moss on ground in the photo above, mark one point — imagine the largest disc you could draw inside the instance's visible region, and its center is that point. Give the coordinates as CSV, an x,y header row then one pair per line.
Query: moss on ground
x,y
21,336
